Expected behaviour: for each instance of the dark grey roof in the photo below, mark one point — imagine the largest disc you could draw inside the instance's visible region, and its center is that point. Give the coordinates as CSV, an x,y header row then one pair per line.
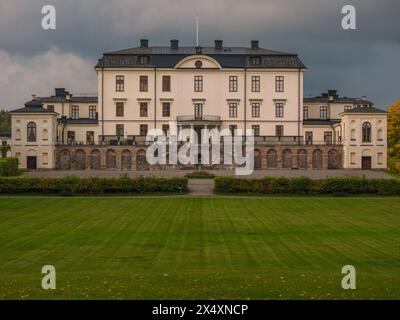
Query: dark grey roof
x,y
318,122
326,100
165,57
365,110
193,50
5,134
34,106
77,99
80,121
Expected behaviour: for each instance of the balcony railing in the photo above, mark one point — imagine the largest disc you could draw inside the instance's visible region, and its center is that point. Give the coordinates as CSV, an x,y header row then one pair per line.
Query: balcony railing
x,y
131,140
198,118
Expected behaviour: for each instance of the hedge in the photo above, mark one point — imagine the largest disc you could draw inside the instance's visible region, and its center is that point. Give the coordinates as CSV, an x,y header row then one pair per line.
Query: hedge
x,y
9,167
92,185
200,175
304,185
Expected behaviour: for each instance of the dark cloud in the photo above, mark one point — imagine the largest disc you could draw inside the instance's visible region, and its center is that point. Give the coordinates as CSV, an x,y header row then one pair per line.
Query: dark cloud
x,y
363,61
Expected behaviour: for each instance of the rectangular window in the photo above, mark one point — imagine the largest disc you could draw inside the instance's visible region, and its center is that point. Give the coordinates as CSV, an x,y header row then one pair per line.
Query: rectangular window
x,y
143,109
323,113
233,83
198,111
232,128
166,109
119,130
255,109
309,137
166,83
143,129
279,110
71,137
233,110
89,137
380,158
45,135
4,143
119,111
353,158
50,107
143,59
198,83
256,130
74,112
165,129
144,83
305,113
279,84
328,137
279,131
45,158
92,112
380,135
255,83
119,83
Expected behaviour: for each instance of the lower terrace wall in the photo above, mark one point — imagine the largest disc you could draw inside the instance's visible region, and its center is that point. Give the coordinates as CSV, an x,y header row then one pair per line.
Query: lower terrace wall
x,y
133,158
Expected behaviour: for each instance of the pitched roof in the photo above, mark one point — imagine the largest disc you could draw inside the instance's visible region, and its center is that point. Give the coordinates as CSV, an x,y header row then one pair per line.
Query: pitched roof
x,y
34,106
74,99
318,122
365,110
326,100
165,57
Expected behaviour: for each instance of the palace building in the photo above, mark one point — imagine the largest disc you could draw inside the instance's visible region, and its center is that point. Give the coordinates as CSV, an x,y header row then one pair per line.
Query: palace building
x,y
220,87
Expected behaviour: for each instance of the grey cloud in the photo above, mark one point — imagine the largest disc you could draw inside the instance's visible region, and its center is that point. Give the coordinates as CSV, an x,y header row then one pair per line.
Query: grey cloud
x,y
310,28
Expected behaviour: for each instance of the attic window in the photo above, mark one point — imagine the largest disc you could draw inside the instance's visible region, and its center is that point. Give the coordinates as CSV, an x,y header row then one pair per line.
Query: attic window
x,y
143,59
255,61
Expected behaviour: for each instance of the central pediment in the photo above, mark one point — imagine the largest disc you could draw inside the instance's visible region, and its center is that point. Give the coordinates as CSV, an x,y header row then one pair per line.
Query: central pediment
x,y
198,61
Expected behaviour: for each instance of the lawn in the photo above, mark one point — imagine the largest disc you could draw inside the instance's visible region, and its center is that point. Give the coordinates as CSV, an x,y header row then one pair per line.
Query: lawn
x,y
171,248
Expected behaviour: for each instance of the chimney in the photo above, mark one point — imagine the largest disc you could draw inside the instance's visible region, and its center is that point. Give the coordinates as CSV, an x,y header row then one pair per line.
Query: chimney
x,y
144,43
333,93
254,44
218,44
199,50
60,92
364,98
174,44
34,97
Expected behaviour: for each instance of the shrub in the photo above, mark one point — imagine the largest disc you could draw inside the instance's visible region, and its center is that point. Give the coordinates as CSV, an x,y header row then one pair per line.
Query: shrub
x,y
200,175
303,185
9,167
92,185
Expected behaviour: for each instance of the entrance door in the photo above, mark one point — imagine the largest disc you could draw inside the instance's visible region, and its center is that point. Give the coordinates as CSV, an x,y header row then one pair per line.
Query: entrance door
x,y
31,163
366,163
198,132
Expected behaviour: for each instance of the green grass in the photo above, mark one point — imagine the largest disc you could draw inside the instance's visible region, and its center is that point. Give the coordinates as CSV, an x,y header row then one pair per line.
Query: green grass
x,y
160,248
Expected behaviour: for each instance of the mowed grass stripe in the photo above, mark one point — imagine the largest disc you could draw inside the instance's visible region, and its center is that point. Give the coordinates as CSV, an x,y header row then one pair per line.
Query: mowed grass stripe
x,y
199,248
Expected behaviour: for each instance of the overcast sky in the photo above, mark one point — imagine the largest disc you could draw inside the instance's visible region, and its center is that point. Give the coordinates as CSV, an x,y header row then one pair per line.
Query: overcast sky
x,y
358,62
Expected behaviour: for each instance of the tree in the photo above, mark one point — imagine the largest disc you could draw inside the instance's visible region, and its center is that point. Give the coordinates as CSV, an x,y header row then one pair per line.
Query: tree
x,y
4,149
5,120
394,136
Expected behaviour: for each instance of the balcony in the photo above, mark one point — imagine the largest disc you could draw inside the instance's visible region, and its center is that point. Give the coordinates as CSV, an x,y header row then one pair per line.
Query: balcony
x,y
199,119
64,120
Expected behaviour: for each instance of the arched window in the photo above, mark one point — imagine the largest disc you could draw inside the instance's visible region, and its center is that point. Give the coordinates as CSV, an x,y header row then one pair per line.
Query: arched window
x,y
31,132
366,132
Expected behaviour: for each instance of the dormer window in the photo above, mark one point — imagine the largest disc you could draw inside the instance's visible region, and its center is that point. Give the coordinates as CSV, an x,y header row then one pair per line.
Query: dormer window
x,y
255,61
143,59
